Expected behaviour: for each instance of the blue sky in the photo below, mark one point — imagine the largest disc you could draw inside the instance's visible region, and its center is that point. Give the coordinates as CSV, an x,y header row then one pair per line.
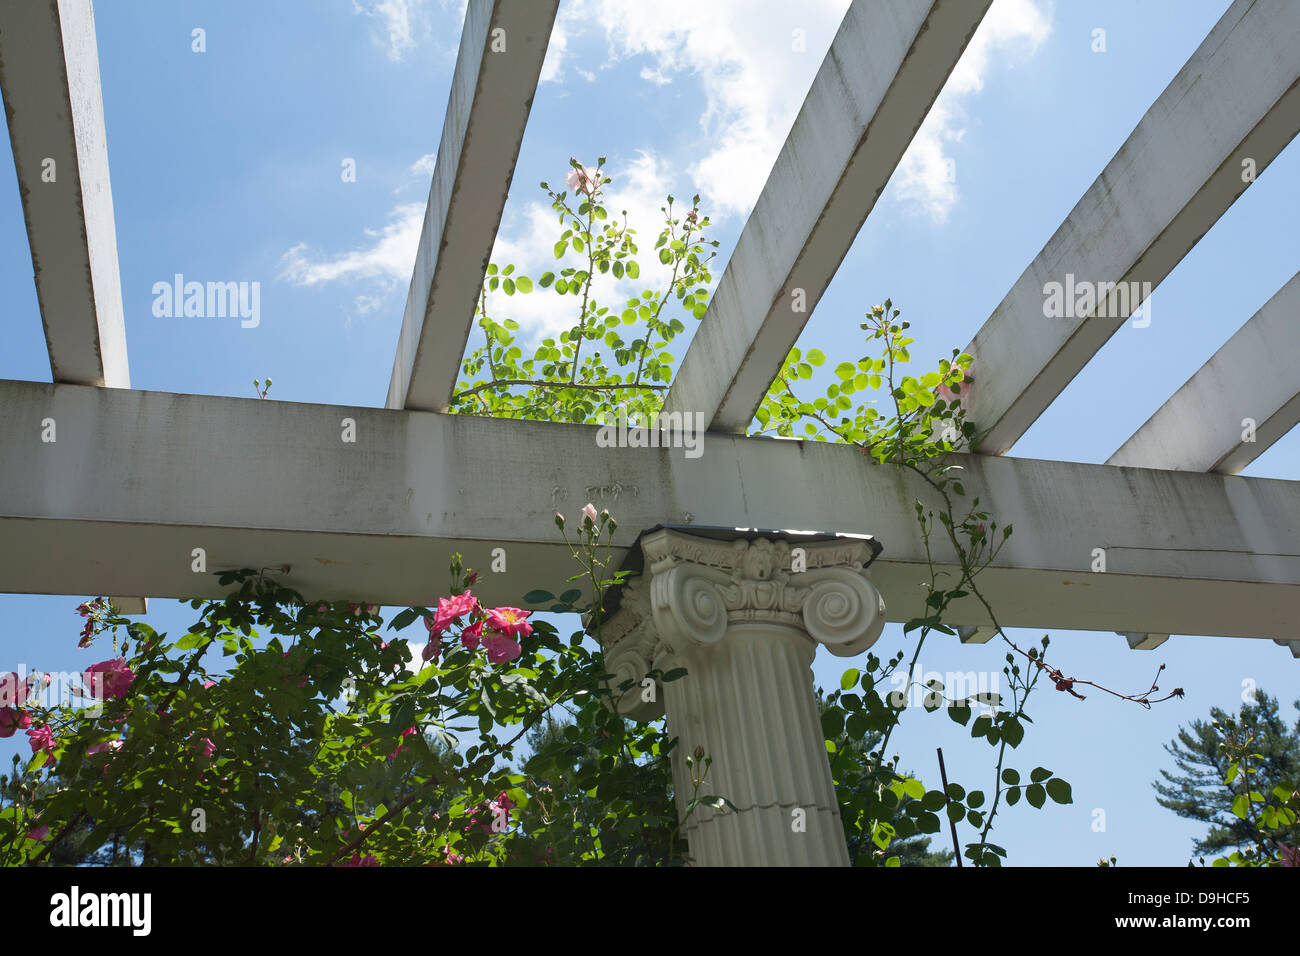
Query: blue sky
x,y
226,167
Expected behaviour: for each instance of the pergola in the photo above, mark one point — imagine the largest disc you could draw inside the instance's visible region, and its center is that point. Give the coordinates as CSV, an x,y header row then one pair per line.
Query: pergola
x,y
136,480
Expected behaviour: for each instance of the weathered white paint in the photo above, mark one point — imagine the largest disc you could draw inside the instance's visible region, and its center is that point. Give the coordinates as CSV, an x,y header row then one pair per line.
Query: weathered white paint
x,y
138,479
491,95
887,64
49,71
745,628
1237,98
1254,376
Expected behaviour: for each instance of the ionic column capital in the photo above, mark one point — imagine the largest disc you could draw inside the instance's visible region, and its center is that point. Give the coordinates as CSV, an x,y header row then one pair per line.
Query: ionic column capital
x,y
695,590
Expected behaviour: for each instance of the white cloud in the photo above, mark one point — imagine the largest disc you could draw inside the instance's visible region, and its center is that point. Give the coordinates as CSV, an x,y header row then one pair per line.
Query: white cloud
x,y
743,54
755,77
526,240
925,179
424,165
754,80
655,76
389,257
556,48
397,23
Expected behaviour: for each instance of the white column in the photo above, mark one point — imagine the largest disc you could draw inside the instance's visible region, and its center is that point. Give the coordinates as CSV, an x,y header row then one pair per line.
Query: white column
x,y
745,625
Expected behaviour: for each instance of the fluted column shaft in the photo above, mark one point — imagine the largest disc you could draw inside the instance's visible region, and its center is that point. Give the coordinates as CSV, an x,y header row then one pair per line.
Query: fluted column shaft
x,y
744,623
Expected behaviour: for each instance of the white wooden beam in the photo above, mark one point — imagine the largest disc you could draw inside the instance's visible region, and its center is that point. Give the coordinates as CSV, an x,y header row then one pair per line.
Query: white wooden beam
x,y
502,48
1230,110
1236,406
885,67
49,72
271,484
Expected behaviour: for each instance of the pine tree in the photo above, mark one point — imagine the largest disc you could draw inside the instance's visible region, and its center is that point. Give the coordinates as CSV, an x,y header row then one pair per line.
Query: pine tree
x,y
1198,792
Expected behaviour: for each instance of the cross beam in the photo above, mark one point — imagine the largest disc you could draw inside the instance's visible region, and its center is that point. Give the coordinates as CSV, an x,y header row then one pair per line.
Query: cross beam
x,y
885,67
49,72
1226,115
502,48
136,481
1253,378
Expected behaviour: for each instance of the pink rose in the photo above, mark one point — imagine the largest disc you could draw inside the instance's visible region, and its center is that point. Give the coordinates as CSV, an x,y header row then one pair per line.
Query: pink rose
x,y
510,621
967,386
589,512
500,648
12,721
99,748
208,747
432,650
449,611
41,738
209,683
116,679
38,833
472,635
583,179
13,691
357,860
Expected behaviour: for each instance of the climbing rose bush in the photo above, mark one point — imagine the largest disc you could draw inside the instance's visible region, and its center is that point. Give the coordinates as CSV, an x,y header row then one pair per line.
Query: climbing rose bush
x,y
282,731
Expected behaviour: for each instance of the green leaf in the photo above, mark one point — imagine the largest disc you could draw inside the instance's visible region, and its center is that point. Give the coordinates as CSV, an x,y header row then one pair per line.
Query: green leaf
x,y
508,286
403,619
933,800
1059,790
1240,805
981,726
960,713
633,270
913,788
849,678
1039,774
1036,795
1010,776
538,597
816,357
523,284
1013,796
560,248
1013,731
